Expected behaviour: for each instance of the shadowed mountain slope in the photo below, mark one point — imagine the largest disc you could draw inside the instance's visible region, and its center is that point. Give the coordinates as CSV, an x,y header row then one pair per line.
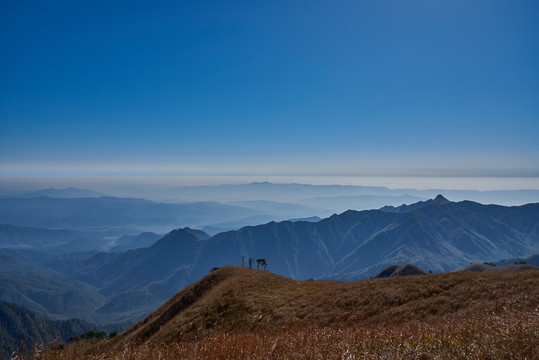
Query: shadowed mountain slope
x,y
20,329
140,267
400,270
129,242
439,235
300,250
135,282
41,289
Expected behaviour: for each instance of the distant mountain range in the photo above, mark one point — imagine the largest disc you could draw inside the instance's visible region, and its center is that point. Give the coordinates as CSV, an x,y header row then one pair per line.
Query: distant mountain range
x,y
70,241
327,196
129,216
110,212
29,237
56,193
322,197
214,208
436,235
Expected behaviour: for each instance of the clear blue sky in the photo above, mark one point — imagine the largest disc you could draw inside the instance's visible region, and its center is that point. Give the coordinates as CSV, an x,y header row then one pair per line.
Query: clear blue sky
x,y
445,88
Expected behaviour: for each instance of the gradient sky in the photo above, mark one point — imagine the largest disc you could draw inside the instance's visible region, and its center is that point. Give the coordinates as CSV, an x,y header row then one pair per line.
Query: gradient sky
x,y
405,88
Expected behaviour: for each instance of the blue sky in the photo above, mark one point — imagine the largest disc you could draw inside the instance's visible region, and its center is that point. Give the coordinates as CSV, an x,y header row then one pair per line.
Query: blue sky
x,y
380,88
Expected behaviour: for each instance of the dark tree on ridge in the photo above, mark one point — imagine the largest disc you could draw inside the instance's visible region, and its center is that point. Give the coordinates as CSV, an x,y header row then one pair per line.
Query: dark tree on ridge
x,y
261,262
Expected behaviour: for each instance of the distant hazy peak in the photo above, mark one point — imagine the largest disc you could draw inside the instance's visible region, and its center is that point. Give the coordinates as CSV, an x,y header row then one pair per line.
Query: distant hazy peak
x,y
198,234
440,199
69,192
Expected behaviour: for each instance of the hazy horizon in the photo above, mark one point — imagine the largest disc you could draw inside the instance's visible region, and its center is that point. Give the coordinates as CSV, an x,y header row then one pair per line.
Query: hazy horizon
x,y
106,184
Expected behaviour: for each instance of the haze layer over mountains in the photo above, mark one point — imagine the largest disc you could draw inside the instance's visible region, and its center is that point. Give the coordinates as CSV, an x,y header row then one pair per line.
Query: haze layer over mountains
x,y
92,257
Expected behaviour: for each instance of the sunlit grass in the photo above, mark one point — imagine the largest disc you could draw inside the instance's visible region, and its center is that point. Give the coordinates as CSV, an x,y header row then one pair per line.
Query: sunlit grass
x,y
512,335
240,314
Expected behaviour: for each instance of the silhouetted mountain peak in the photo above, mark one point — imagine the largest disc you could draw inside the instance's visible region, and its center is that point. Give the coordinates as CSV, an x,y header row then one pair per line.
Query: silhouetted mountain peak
x,y
198,234
182,235
440,200
400,270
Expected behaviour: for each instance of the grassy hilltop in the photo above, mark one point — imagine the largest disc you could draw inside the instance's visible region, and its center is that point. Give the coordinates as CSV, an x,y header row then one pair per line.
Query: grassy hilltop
x,y
236,313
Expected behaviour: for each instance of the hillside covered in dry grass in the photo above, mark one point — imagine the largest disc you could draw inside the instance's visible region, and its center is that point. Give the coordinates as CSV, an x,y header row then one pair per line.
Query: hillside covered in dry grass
x,y
236,313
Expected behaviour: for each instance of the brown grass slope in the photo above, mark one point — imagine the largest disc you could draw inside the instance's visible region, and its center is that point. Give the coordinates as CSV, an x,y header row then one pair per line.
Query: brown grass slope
x,y
237,300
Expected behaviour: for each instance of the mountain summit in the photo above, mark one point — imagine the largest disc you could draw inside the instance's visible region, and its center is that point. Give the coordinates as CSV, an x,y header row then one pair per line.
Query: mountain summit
x,y
440,200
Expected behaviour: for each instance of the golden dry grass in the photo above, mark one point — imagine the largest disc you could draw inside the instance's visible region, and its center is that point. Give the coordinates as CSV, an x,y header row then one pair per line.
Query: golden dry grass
x,y
235,313
507,336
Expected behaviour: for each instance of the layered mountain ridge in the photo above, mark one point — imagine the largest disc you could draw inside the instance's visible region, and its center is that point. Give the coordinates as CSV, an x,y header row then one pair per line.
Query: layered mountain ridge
x,y
436,235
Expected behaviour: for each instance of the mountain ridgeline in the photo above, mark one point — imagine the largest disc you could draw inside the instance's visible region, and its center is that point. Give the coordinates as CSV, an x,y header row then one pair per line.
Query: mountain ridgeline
x,y
436,235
